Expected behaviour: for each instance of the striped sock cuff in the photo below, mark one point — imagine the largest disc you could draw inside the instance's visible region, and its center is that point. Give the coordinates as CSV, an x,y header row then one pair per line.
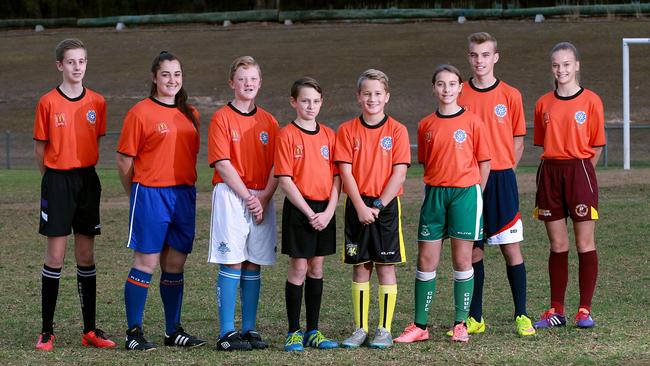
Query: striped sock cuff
x,y
425,276
463,275
251,275
228,272
171,279
86,271
49,272
139,278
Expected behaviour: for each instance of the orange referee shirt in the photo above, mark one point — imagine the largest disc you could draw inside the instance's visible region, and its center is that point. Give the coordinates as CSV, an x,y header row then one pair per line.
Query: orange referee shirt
x,y
450,147
306,157
569,127
71,127
372,151
163,143
247,140
501,108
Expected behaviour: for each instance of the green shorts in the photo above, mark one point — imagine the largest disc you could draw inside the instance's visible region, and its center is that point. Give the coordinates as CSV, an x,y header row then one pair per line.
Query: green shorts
x,y
451,212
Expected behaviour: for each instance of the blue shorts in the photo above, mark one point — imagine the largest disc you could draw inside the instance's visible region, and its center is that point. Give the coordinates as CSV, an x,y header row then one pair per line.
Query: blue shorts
x,y
501,217
162,215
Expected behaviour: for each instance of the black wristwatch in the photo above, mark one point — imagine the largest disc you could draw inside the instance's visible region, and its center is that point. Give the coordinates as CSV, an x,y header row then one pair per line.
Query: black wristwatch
x,y
377,204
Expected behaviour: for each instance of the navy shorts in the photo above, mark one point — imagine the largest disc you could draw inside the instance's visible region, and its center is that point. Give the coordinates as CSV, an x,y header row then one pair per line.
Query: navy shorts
x,y
162,215
70,201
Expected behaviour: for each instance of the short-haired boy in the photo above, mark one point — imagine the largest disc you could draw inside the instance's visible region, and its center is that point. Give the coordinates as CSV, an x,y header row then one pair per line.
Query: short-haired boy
x,y
500,107
373,154
69,122
241,142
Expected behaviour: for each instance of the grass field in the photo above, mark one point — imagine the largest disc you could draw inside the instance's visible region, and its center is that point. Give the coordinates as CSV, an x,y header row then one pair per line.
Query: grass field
x,y
619,307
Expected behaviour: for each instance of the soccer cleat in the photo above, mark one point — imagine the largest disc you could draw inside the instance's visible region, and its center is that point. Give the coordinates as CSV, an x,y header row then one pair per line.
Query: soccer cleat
x,y
460,333
255,339
357,339
294,342
135,340
96,338
180,338
382,339
316,339
473,326
583,319
233,342
550,319
45,341
413,333
524,326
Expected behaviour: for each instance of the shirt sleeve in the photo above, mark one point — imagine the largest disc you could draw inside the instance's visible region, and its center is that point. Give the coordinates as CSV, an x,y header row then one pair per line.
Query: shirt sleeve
x,y
597,124
481,147
218,140
538,126
131,135
282,157
343,151
101,117
401,146
41,122
518,116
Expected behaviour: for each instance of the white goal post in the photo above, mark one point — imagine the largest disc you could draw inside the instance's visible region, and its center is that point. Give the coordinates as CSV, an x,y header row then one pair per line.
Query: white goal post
x,y
626,96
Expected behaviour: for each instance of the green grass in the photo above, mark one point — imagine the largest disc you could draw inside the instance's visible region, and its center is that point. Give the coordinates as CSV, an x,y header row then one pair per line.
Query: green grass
x,y
620,304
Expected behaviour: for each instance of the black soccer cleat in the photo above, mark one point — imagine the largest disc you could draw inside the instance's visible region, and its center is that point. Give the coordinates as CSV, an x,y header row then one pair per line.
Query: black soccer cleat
x,y
180,338
135,340
233,342
255,339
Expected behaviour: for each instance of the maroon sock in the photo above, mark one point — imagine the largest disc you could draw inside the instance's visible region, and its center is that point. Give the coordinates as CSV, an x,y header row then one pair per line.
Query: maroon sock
x,y
558,272
587,274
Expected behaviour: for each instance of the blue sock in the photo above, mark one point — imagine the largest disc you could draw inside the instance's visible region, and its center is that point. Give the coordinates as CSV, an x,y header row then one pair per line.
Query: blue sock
x,y
517,279
250,295
476,307
135,296
227,283
171,293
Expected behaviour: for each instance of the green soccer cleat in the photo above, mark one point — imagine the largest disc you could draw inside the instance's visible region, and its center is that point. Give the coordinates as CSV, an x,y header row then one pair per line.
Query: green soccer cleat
x,y
524,326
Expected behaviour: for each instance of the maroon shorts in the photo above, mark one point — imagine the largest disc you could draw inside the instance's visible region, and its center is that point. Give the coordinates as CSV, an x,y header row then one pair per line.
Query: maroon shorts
x,y
566,188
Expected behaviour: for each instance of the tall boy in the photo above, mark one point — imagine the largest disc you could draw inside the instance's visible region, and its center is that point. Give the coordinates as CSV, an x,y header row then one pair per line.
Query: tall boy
x,y
500,106
242,233
69,121
373,153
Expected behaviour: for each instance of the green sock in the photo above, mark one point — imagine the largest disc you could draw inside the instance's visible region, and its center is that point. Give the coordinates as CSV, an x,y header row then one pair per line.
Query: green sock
x,y
424,292
463,289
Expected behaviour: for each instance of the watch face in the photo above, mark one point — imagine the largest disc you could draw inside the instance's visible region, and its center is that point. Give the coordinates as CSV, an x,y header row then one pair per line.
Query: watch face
x,y
377,203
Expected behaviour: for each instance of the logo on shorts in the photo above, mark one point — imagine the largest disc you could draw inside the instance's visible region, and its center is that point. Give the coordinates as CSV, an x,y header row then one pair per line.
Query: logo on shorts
x,y
298,151
386,143
162,128
234,135
543,212
91,116
582,210
59,119
580,117
223,248
264,137
356,144
424,231
351,249
325,152
500,110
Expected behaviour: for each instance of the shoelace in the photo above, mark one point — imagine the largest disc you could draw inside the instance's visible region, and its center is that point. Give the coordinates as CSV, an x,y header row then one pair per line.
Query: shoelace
x,y
317,338
295,338
100,334
46,337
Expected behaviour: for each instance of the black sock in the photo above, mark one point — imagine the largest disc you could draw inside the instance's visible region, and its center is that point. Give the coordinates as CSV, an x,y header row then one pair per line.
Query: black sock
x,y
313,296
517,280
87,285
49,293
476,307
293,298
421,326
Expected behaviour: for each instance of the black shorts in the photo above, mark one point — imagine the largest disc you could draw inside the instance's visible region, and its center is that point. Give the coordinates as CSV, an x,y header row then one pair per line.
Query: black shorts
x,y
70,201
299,238
379,242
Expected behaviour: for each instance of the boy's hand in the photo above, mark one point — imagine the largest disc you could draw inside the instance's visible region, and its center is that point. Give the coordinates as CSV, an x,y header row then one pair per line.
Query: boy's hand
x,y
366,216
319,221
255,207
375,212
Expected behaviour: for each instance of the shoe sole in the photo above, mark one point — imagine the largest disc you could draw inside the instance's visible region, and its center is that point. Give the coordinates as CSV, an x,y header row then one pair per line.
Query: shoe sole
x,y
187,347
379,346
349,345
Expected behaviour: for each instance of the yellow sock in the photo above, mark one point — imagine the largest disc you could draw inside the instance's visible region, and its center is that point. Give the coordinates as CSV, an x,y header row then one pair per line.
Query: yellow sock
x,y
387,297
361,303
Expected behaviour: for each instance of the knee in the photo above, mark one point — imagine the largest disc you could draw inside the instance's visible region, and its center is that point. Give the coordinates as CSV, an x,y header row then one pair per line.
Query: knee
x,y
299,270
477,255
53,260
315,272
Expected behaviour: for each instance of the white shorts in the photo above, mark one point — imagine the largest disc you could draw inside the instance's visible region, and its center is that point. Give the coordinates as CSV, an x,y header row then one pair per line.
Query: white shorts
x,y
514,233
234,236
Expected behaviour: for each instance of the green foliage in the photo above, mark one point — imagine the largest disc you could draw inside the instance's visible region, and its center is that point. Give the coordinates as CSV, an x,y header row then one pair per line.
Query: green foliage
x,y
619,305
